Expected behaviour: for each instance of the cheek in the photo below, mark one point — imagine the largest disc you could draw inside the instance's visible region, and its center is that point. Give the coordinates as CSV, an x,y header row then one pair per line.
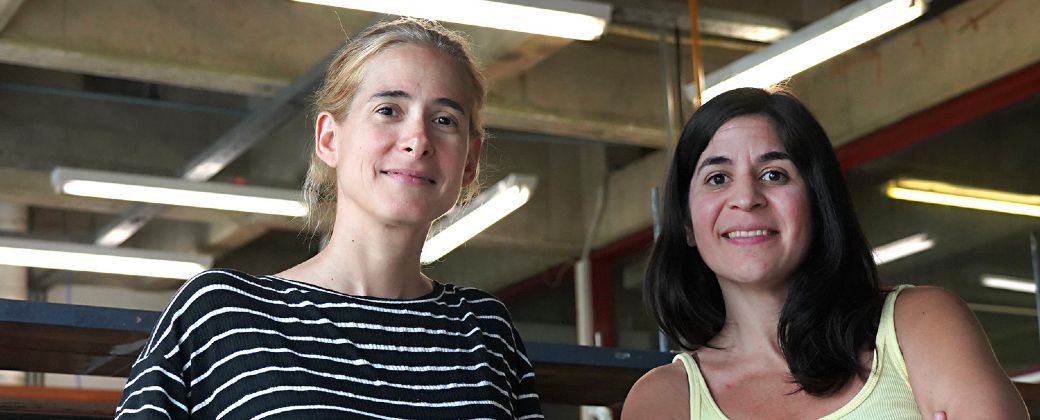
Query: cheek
x,y
799,217
703,213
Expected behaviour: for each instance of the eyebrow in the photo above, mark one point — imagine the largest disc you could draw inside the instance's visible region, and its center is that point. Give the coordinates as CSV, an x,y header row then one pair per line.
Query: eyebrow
x,y
714,160
766,157
450,103
774,155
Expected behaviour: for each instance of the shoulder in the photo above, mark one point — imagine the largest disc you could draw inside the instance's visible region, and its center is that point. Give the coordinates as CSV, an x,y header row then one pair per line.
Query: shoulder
x,y
949,362
218,277
197,299
471,299
926,317
216,288
922,309
661,393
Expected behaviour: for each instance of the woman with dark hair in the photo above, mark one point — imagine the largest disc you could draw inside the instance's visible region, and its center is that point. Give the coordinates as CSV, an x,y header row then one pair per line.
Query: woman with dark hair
x,y
763,274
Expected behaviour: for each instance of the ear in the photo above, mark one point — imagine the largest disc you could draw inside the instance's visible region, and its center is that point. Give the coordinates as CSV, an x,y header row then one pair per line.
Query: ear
x,y
469,173
690,239
326,144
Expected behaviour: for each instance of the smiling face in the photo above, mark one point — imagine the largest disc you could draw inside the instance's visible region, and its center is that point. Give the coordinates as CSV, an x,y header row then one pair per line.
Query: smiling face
x,y
403,151
749,208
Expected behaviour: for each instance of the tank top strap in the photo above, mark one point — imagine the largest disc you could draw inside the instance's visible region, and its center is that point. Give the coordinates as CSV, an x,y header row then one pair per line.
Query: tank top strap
x,y
702,405
886,342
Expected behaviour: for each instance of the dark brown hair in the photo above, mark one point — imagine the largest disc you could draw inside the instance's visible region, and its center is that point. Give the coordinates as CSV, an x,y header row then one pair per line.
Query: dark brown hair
x,y
833,304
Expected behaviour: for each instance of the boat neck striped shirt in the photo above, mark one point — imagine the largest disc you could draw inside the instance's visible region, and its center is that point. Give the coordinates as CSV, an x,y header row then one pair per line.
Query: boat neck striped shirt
x,y
235,346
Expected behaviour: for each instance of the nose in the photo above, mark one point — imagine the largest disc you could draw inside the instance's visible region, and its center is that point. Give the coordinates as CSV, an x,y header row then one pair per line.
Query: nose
x,y
746,195
416,140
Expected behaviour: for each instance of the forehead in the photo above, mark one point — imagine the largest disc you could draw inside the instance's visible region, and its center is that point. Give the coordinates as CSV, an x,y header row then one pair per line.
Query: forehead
x,y
749,134
417,70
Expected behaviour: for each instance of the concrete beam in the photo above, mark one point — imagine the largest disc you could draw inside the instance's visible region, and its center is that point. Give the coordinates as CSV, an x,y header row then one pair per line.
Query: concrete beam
x,y
172,73
574,126
7,10
522,57
880,83
627,207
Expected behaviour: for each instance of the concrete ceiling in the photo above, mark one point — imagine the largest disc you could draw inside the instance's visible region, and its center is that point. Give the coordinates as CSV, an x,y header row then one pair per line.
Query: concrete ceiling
x,y
150,86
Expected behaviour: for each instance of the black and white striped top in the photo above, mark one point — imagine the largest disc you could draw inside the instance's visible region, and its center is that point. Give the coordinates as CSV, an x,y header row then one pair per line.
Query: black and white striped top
x,y
232,345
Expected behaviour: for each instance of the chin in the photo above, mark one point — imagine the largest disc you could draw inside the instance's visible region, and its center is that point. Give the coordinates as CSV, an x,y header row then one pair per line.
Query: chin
x,y
764,277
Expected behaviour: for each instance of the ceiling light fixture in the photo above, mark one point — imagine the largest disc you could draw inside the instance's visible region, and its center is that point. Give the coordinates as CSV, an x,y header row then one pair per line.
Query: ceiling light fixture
x,y
177,192
902,248
841,31
935,192
1030,377
463,223
574,19
78,257
1013,284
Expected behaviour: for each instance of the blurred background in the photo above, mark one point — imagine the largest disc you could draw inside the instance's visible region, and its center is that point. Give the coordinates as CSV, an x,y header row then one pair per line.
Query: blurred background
x,y
221,89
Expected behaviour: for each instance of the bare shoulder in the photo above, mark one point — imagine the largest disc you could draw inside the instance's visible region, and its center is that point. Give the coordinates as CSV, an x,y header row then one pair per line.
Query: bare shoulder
x,y
929,317
924,306
662,393
949,361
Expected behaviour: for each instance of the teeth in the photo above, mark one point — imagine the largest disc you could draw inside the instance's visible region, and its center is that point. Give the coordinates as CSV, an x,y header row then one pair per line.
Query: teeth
x,y
747,233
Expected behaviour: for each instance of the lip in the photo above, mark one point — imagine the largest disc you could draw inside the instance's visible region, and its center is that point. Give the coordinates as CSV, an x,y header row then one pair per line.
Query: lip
x,y
409,176
749,234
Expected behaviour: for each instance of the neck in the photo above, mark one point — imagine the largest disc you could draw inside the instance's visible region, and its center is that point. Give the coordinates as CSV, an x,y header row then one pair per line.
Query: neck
x,y
368,258
752,316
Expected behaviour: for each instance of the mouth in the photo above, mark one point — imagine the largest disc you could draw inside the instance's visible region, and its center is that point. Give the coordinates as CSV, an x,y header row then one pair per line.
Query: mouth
x,y
749,233
410,176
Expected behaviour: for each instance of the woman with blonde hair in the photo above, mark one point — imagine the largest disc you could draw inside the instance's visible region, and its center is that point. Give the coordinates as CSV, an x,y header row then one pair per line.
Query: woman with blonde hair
x,y
357,330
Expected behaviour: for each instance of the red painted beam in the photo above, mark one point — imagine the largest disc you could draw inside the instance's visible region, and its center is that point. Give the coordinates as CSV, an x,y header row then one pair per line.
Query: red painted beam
x,y
922,125
556,276
16,401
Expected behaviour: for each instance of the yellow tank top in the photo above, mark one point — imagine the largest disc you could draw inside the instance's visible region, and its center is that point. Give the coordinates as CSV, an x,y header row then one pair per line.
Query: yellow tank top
x,y
885,395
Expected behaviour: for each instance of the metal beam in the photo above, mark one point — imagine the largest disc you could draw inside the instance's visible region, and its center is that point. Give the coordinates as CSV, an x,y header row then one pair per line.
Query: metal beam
x,y
255,127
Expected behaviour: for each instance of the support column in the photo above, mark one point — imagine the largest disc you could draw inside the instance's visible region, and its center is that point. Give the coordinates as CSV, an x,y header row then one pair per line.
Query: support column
x,y
14,281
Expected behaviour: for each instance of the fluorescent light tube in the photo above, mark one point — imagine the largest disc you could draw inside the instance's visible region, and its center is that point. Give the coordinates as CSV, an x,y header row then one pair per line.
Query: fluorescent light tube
x,y
486,209
1013,284
1030,378
902,248
79,257
574,19
177,192
841,31
935,192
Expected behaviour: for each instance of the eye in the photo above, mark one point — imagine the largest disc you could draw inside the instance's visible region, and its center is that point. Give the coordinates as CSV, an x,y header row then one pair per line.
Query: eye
x,y
774,175
445,120
716,179
386,110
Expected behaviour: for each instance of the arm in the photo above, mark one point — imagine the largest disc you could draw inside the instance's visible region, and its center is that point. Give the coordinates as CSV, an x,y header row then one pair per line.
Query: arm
x,y
527,404
950,364
662,393
154,390
157,387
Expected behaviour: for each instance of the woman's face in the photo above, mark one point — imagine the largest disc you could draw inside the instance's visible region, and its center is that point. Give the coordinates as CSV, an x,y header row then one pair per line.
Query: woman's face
x,y
403,151
749,209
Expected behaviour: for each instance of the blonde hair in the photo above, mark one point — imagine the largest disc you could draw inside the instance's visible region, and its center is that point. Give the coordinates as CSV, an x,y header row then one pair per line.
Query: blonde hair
x,y
343,80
